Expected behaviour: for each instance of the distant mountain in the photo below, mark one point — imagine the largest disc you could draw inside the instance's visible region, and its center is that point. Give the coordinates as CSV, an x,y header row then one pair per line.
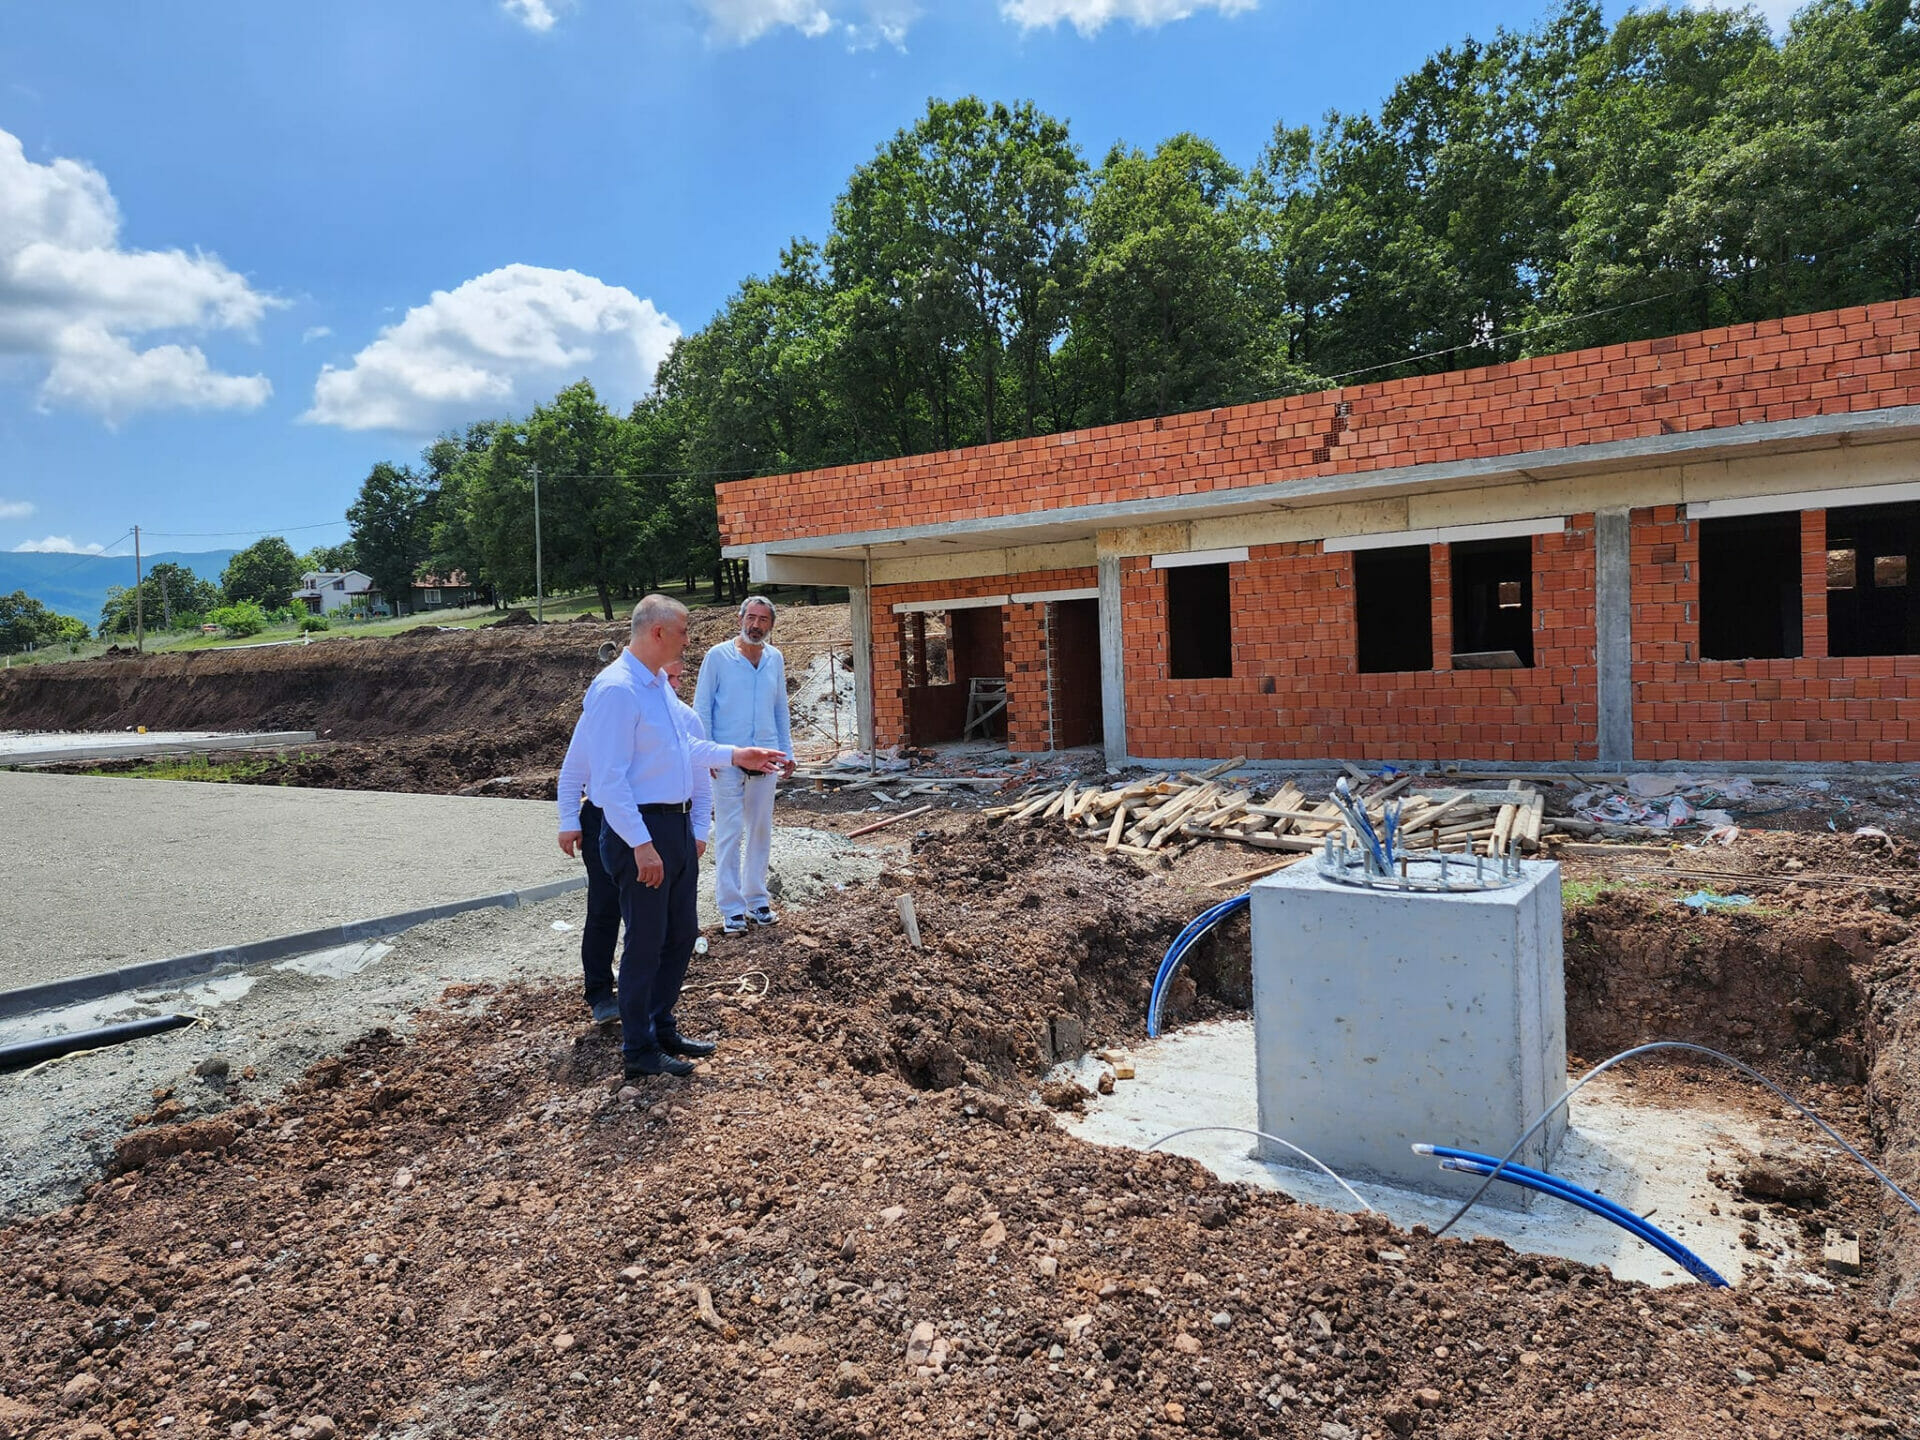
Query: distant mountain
x,y
77,584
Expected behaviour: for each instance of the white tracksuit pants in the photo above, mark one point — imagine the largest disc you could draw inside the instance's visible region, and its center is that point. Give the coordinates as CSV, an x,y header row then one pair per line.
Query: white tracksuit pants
x,y
742,838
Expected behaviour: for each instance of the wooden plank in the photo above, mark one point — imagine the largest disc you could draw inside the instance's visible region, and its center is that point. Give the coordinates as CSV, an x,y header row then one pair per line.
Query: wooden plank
x,y
1222,768
1234,882
890,820
1119,824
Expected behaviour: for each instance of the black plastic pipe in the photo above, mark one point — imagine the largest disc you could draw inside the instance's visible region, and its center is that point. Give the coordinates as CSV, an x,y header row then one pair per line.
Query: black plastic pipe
x,y
32,1052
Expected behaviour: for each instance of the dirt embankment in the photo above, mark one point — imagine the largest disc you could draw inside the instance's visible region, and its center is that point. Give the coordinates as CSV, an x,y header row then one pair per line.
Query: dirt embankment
x,y
427,711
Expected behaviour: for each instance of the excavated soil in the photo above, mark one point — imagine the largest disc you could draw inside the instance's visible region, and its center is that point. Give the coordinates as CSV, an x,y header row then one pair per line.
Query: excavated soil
x,y
426,711
859,1219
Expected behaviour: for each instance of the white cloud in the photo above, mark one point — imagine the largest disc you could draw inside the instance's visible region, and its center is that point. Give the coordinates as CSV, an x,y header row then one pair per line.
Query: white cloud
x,y
58,545
739,21
105,374
315,332
15,509
502,342
72,298
536,15
1089,17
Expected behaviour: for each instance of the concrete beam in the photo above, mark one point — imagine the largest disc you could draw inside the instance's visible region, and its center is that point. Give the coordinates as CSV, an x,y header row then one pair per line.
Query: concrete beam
x,y
764,568
862,617
1113,650
1613,628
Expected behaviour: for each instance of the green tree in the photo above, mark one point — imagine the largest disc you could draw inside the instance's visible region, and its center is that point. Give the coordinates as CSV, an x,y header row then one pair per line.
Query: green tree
x,y
590,507
336,558
26,624
1175,308
170,596
456,466
392,522
267,572
963,231
241,619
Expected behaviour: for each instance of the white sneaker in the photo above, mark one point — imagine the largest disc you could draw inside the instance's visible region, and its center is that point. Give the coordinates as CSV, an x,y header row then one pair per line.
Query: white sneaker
x,y
763,916
735,925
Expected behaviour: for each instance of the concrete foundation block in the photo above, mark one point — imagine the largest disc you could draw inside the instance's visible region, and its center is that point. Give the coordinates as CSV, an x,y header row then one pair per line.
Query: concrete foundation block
x,y
1384,1019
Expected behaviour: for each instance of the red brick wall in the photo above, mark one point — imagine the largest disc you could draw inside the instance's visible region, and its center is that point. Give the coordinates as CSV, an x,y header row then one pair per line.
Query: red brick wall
x,y
1296,691
1805,365
1813,708
1025,650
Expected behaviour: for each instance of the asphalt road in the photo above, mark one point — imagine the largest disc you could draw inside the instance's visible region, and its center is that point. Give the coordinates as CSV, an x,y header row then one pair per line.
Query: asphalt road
x,y
97,872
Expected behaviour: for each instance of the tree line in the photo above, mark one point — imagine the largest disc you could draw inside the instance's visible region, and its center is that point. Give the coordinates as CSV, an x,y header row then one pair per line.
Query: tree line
x,y
1570,185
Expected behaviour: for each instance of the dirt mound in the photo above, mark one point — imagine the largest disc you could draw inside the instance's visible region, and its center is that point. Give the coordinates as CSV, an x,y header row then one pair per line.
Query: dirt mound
x,y
469,1230
428,710
1776,989
512,619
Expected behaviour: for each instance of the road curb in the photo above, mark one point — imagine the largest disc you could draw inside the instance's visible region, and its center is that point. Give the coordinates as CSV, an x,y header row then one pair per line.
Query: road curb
x,y
55,993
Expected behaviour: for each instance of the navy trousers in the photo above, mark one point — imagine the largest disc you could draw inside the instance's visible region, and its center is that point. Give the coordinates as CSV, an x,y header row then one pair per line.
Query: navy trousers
x,y
662,923
602,931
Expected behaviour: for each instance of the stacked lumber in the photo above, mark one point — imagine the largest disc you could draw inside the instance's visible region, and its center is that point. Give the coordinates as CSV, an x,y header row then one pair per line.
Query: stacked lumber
x,y
1169,814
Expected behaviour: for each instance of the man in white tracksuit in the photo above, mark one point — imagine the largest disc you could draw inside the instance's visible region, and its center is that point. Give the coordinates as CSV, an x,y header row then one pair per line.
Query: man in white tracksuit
x,y
742,693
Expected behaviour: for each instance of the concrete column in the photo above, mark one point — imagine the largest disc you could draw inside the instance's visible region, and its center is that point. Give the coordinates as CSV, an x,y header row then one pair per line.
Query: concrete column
x,y
1113,649
862,616
1613,632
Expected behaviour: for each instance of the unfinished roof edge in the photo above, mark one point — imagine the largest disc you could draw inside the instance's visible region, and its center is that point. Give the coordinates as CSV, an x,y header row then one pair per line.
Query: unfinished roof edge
x,y
1584,418
1814,432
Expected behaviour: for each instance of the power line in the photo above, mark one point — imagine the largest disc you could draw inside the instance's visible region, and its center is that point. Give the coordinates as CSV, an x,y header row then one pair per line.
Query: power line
x,y
234,534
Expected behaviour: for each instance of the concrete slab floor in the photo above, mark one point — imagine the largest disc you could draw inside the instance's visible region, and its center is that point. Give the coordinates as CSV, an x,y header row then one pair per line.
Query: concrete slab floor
x,y
97,873
1653,1160
19,747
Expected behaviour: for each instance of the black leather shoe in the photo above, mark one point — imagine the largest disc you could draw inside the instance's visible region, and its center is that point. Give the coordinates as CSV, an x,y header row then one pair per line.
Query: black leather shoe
x,y
674,1043
655,1062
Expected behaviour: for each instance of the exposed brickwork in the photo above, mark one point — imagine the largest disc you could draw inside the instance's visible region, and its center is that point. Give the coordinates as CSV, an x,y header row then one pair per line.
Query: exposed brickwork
x,y
1026,687
1296,691
1027,699
1813,708
1805,365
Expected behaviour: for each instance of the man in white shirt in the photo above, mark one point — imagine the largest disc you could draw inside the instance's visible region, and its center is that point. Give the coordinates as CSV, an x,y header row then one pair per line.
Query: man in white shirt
x,y
641,757
741,698
580,826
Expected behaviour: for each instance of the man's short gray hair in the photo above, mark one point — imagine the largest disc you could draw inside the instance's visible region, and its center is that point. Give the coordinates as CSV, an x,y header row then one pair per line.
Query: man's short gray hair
x,y
655,610
752,600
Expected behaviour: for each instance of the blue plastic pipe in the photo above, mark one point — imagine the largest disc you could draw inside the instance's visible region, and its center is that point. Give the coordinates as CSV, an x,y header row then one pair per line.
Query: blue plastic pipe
x,y
1177,952
1467,1162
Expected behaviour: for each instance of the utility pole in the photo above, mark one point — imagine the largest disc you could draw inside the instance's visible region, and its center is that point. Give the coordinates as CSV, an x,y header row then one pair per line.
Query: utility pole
x,y
539,589
139,610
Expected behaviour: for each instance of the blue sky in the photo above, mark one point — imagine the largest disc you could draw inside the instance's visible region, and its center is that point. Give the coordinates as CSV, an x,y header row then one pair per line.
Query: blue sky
x,y
248,250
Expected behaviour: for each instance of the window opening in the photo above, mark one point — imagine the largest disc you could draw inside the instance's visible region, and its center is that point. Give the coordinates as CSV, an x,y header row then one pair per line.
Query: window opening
x,y
1876,614
1199,628
1393,609
1493,604
1750,587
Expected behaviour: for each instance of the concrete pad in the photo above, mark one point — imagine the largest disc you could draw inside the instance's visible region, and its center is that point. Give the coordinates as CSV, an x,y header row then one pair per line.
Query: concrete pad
x,y
103,873
81,748
1652,1159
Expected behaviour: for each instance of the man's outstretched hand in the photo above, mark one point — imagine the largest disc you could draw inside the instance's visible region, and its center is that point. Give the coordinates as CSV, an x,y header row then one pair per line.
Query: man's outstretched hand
x,y
759,761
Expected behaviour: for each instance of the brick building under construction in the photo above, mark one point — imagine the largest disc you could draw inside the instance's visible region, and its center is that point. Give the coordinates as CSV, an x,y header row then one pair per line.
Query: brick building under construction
x,y
1695,549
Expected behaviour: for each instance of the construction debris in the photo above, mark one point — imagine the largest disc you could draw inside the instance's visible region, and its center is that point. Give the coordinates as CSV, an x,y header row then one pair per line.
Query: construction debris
x,y
1170,814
